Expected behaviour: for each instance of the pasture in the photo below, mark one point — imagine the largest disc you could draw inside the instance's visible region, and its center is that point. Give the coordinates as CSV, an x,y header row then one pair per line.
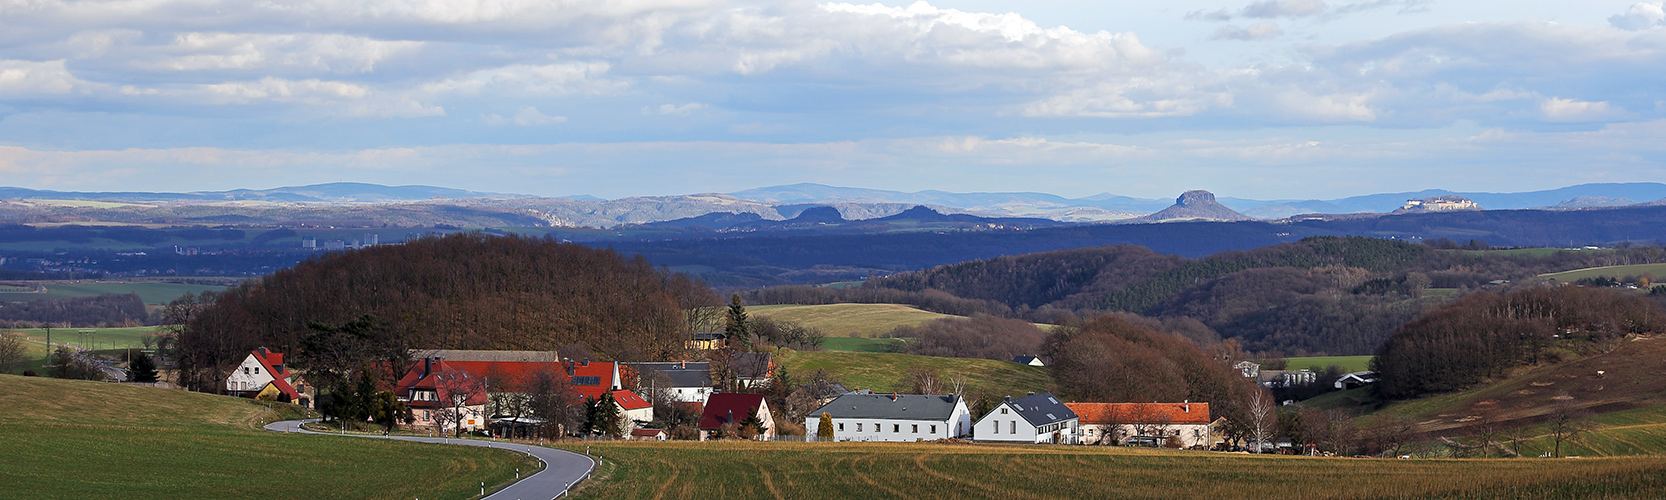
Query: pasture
x,y
686,470
101,338
859,344
883,372
849,320
1658,270
66,439
149,292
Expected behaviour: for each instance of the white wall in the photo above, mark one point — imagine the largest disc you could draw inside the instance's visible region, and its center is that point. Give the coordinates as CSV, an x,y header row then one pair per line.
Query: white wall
x,y
897,430
249,376
1190,434
691,394
1013,428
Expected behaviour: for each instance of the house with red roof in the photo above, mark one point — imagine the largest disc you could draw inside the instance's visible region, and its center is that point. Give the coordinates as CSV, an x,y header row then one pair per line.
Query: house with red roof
x,y
725,411
1145,424
500,383
633,407
262,375
443,397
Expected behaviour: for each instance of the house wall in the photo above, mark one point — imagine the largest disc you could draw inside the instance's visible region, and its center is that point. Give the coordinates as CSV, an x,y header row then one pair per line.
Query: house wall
x,y
248,376
430,418
1014,429
691,394
959,423
1190,434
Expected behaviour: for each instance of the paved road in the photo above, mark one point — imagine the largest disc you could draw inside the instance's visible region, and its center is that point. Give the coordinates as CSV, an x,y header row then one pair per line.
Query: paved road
x,y
561,468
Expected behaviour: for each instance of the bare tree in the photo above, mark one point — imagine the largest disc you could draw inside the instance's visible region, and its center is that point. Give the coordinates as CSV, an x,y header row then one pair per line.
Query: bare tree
x,y
922,381
550,397
1487,426
1567,423
957,384
1261,413
460,395
11,352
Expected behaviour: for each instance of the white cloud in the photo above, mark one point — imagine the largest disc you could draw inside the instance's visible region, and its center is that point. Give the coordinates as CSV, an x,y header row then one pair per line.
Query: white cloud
x,y
1284,8
328,53
1257,31
1328,108
675,109
1570,110
1643,15
27,78
530,116
1294,9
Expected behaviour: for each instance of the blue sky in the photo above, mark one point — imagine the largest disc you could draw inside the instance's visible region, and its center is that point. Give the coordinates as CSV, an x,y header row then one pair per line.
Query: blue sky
x,y
1256,99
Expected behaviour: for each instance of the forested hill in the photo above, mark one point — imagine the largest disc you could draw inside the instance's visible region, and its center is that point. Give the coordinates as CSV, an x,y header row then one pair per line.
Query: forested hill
x,y
1331,295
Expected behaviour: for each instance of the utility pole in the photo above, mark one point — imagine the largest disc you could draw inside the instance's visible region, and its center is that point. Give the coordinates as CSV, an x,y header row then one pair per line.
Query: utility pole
x,y
48,343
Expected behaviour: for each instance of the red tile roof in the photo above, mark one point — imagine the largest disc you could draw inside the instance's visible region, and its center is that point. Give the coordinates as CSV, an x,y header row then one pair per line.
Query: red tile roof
x,y
273,363
516,372
438,376
646,432
630,401
1128,413
720,406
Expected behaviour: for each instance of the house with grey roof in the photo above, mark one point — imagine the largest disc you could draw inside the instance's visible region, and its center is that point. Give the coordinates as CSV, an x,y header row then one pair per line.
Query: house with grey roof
x,y
1036,418
893,417
689,382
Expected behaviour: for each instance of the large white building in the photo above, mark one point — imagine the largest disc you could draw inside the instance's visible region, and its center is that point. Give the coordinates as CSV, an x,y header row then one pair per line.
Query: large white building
x,y
893,417
262,374
1036,418
689,382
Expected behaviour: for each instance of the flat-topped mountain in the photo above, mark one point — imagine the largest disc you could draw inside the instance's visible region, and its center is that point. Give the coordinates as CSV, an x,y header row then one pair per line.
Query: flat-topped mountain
x,y
1195,205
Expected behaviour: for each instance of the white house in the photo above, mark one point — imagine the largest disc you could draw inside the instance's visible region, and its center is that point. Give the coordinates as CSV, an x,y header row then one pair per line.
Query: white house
x,y
1356,379
1036,418
1028,360
633,408
690,382
262,374
893,417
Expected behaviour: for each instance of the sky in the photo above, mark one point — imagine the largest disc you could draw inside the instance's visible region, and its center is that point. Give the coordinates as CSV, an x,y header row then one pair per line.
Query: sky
x,y
1263,99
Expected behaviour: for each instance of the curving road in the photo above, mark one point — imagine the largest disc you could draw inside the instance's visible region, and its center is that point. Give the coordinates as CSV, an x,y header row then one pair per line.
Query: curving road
x,y
562,469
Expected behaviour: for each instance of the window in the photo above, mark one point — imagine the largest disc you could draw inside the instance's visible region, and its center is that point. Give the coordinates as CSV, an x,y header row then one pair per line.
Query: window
x,y
1012,427
587,381
842,426
858,427
997,424
915,429
245,370
679,391
933,429
1003,410
896,427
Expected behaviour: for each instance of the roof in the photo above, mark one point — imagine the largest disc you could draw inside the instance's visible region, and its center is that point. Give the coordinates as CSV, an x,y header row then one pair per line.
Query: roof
x,y
596,376
647,432
1023,359
273,363
752,364
630,401
890,406
683,374
710,336
1041,409
433,375
1140,413
721,406
471,355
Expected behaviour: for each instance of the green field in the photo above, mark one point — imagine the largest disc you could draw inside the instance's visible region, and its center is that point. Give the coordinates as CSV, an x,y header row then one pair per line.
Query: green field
x,y
1349,364
859,344
1659,270
961,472
849,320
66,439
150,293
102,338
881,372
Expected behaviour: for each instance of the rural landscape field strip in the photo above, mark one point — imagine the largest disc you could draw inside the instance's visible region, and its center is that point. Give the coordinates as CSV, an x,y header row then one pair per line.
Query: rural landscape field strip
x,y
958,472
66,439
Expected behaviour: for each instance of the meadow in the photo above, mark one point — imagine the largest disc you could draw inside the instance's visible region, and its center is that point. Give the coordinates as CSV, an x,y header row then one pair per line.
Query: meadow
x,y
883,372
66,439
849,320
149,292
1658,270
680,470
100,339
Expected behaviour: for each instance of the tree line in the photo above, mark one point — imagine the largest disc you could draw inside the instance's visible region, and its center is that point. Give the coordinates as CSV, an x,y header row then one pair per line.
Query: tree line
x,y
103,311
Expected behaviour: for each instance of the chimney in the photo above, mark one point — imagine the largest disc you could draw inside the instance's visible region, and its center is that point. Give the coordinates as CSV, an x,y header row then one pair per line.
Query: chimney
x,y
427,367
1188,405
893,397
731,416
682,364
1031,393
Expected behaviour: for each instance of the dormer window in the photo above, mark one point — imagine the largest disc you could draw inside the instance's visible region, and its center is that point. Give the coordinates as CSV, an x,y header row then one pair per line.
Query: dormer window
x,y
1003,411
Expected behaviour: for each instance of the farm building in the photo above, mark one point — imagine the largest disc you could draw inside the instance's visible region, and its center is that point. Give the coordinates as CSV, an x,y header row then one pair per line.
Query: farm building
x,y
1036,418
1286,378
1249,369
1029,360
893,417
706,341
1356,379
438,392
497,384
689,382
648,435
724,413
1144,423
262,375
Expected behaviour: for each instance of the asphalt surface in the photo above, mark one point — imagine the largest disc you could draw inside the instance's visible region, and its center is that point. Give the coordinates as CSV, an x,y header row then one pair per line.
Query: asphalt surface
x,y
562,469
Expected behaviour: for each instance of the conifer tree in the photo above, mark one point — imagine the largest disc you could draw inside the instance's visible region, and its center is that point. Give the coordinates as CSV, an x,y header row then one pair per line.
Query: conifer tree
x,y
142,369
738,327
825,430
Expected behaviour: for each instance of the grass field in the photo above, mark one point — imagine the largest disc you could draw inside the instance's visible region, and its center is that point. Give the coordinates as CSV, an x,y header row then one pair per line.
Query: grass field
x,y
102,338
1658,270
151,293
858,344
683,470
849,320
882,371
1348,363
65,439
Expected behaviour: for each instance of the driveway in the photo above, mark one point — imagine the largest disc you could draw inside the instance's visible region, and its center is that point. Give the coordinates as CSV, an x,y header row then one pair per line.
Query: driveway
x,y
562,469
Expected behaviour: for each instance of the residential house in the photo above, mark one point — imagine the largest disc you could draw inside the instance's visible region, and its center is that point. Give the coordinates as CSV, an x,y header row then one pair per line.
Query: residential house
x,y
1356,379
690,382
262,375
1036,418
1286,378
473,355
443,397
752,369
706,341
1028,360
633,408
893,417
648,435
724,408
500,383
1249,369
1144,423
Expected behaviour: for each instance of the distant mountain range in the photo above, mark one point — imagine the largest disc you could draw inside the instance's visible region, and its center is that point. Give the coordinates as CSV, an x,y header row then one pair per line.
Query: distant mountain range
x,y
377,204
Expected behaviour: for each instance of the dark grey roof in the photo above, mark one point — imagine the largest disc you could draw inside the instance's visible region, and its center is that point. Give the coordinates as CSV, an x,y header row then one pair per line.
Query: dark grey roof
x,y
1041,409
682,374
751,364
1023,359
710,336
904,407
